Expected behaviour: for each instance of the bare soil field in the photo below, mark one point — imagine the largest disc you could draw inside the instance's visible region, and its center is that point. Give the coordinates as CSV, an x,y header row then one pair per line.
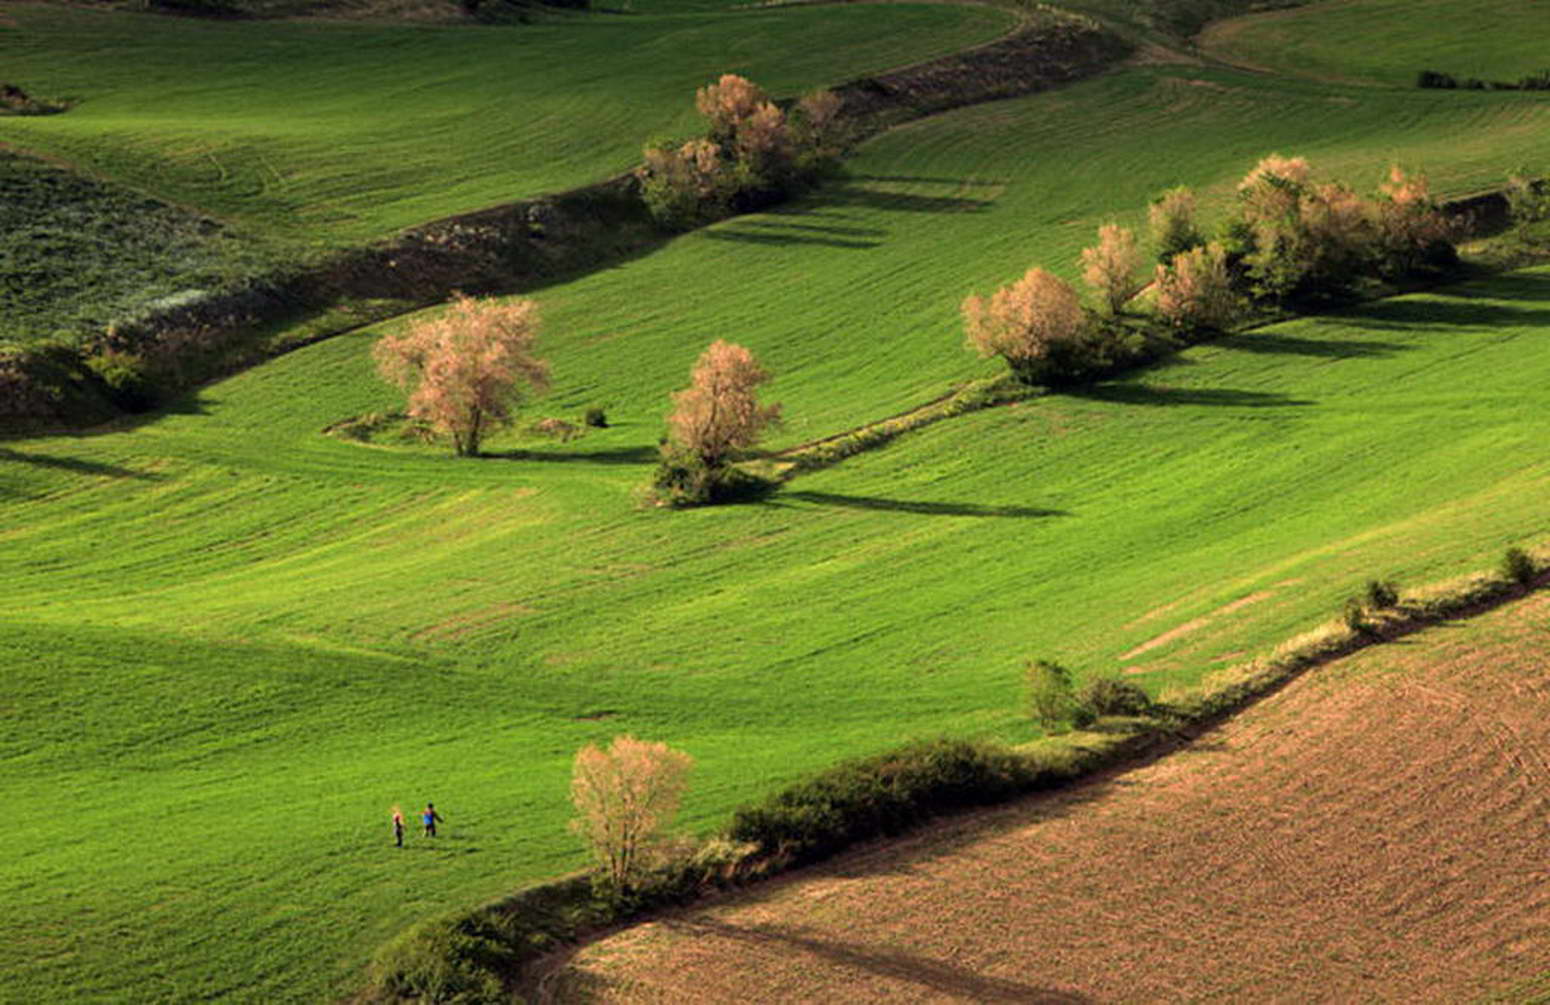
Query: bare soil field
x,y
1378,830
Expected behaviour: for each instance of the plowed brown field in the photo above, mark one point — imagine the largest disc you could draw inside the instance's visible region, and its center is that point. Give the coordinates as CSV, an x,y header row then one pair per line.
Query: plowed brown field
x,y
1379,830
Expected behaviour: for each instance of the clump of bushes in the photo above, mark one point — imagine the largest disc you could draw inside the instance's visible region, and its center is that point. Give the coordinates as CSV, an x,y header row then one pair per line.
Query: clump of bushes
x,y
1518,567
1291,239
1528,200
1446,81
1111,694
753,154
877,796
1382,594
1052,700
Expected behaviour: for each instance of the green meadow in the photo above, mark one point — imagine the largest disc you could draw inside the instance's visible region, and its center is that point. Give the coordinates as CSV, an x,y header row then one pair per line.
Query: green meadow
x,y
234,642
333,133
1387,42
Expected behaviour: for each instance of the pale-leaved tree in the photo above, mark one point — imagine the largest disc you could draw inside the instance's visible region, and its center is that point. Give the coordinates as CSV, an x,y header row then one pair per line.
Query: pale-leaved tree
x,y
625,799
466,368
1026,323
719,411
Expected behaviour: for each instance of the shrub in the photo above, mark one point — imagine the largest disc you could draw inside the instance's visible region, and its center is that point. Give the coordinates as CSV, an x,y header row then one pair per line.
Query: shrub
x,y
1195,289
1110,266
764,150
1026,324
1528,199
1518,567
1111,694
876,796
1436,79
625,798
1172,222
1381,594
127,379
682,478
1051,696
1410,225
815,126
686,187
556,429
1354,616
595,417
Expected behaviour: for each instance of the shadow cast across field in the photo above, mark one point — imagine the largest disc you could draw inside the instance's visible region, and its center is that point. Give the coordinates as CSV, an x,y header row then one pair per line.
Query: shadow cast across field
x,y
923,972
1148,394
1459,307
1277,344
861,197
923,508
787,235
74,465
619,455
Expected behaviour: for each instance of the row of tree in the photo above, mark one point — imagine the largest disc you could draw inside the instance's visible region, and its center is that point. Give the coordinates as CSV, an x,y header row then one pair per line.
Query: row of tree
x,y
1291,240
467,369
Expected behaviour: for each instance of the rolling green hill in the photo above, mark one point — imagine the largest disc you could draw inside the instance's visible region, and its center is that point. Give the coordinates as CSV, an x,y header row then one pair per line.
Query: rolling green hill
x,y
333,133
1494,40
233,642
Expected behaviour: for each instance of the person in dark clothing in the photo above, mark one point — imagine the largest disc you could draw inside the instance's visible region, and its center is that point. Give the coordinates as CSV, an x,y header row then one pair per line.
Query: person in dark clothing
x,y
431,818
398,827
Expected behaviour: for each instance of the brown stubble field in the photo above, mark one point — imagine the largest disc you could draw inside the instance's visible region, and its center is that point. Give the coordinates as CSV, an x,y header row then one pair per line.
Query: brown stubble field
x,y
1378,830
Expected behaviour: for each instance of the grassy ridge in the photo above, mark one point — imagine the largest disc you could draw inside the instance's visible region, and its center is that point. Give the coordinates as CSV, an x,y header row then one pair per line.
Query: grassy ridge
x,y
1490,39
336,133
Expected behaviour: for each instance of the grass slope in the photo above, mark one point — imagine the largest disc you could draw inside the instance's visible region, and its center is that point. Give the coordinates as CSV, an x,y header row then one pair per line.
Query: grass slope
x,y
1494,40
76,254
233,642
1327,844
335,133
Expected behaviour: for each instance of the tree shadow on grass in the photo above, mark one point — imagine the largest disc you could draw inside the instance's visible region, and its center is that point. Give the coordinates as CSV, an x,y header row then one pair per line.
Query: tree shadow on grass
x,y
1459,307
1147,394
925,508
921,971
782,238
74,464
901,202
1274,343
927,180
618,455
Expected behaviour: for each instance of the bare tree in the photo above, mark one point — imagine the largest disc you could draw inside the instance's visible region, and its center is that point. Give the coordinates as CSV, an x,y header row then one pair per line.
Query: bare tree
x,y
466,368
720,411
625,799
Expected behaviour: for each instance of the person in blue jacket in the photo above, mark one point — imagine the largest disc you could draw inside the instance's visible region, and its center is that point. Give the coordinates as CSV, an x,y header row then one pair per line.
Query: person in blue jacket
x,y
431,818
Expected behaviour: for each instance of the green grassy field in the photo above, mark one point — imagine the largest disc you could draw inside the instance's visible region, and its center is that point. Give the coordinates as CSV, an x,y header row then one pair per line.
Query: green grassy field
x,y
334,133
1389,41
233,642
237,641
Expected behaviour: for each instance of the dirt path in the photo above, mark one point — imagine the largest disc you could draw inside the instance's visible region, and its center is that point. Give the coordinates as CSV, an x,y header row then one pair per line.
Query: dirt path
x,y
1380,830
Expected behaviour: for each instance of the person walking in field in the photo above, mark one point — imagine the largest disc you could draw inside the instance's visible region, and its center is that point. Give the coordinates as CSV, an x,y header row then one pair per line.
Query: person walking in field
x,y
398,827
431,818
